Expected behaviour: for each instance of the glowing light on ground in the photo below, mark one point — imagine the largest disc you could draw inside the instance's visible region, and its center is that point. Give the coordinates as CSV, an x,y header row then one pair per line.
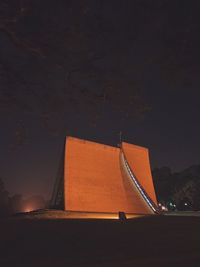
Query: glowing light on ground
x,y
29,209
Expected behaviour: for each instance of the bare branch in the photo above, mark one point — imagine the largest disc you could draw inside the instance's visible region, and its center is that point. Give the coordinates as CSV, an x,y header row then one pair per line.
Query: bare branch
x,y
21,43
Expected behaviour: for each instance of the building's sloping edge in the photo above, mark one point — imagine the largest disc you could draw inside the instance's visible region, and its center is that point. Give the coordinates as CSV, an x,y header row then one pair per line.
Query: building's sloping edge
x,y
84,141
138,161
57,199
149,207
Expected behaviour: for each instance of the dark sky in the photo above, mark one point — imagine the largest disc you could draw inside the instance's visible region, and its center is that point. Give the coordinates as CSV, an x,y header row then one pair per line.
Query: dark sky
x,y
91,69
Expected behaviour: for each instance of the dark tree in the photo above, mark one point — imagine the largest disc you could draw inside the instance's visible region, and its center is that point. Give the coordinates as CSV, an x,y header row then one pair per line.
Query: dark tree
x,y
180,188
4,200
16,203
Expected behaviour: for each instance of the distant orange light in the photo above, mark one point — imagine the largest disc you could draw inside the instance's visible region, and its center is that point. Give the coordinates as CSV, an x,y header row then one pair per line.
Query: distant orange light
x,y
28,209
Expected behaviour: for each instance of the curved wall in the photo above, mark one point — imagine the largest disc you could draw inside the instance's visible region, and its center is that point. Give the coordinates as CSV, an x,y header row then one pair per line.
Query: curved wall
x,y
138,160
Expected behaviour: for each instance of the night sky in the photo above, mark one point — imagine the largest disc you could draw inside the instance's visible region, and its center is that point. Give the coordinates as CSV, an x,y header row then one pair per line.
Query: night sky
x,y
93,69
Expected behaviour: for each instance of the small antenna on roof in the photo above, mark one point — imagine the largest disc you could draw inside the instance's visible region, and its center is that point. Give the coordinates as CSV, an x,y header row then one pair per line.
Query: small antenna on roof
x,y
120,138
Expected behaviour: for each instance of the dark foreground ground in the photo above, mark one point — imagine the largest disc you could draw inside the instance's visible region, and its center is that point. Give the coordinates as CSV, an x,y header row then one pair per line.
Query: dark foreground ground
x,y
146,241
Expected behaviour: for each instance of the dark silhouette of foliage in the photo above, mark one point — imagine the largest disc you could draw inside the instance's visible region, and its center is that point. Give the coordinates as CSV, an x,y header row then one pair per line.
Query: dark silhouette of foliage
x,y
181,188
16,203
4,200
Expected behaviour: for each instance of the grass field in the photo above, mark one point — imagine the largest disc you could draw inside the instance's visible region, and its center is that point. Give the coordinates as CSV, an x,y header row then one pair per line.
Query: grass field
x,y
145,241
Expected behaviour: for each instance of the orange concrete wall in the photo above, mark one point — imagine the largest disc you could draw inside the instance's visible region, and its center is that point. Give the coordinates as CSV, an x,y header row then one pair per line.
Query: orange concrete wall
x,y
138,160
95,181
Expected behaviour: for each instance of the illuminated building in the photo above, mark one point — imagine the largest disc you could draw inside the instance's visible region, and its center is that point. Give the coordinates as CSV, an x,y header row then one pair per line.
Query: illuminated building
x,y
105,179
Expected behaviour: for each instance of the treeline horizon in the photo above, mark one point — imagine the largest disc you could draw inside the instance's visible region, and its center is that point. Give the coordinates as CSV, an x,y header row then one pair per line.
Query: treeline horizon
x,y
16,203
175,190
178,190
